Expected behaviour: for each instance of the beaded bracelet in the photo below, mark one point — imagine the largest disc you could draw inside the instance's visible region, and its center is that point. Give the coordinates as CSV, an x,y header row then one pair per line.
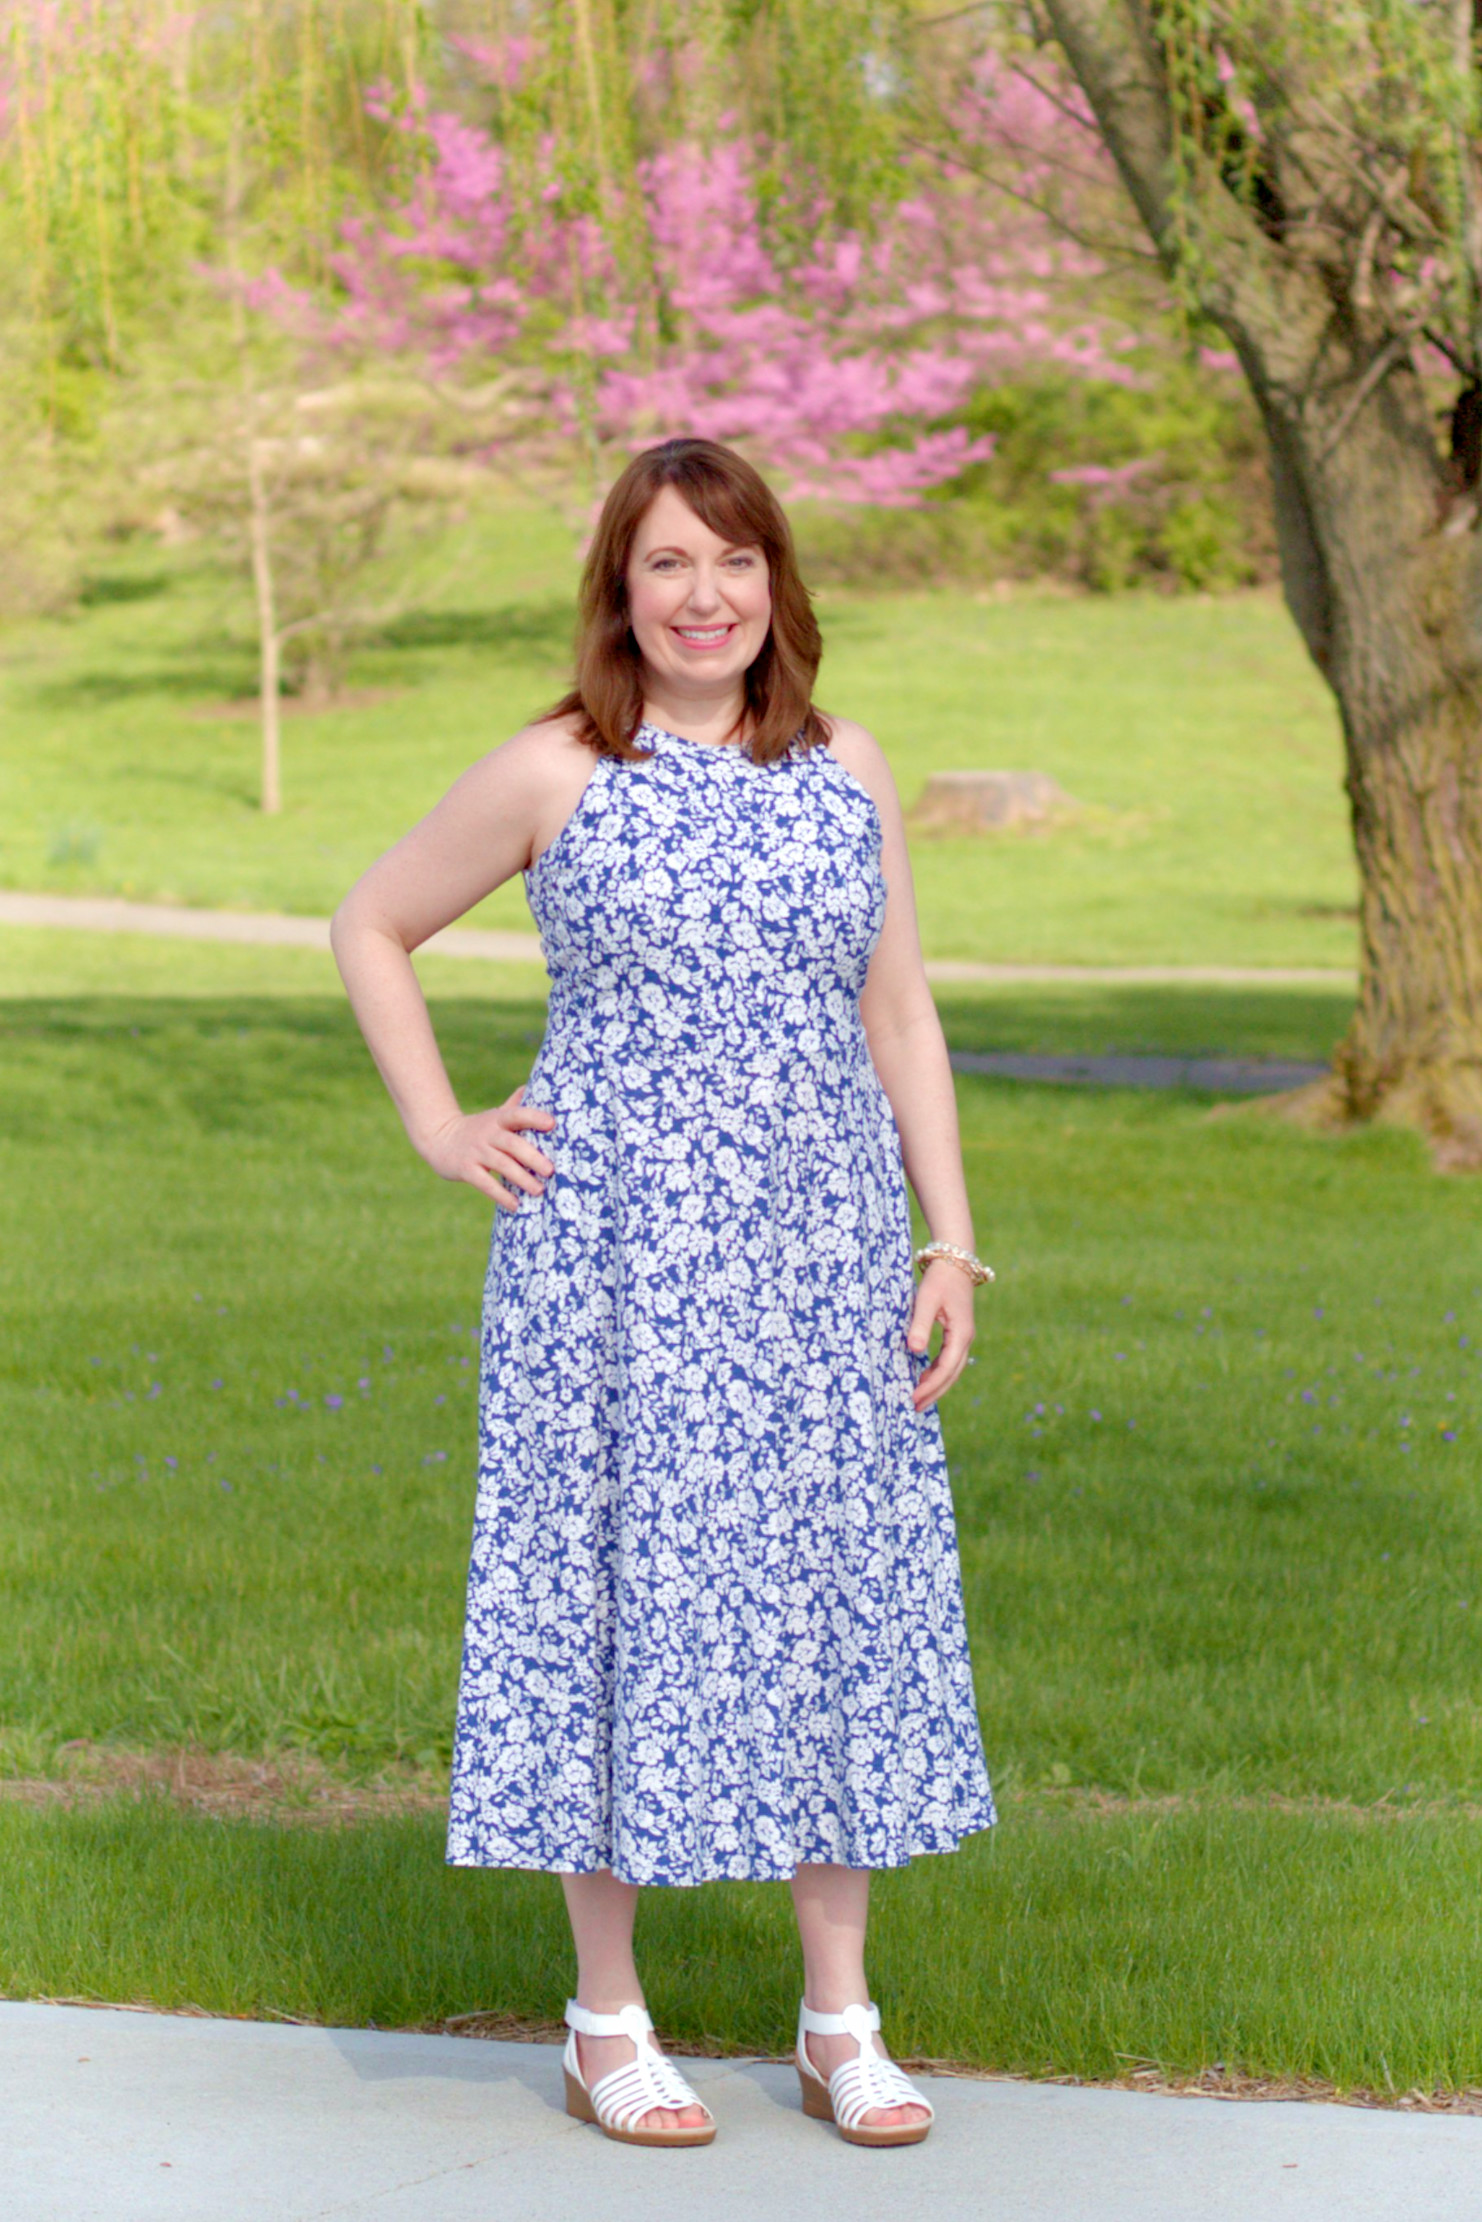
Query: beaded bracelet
x,y
977,1272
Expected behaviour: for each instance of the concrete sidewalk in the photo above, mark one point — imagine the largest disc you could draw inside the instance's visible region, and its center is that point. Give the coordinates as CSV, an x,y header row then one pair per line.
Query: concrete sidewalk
x,y
122,2117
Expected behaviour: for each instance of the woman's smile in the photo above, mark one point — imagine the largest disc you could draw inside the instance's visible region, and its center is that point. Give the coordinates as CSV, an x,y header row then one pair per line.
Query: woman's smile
x,y
704,636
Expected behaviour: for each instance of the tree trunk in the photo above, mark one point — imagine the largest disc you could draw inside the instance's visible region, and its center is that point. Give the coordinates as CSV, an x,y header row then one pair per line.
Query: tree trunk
x,y
1379,539
1414,1049
1389,599
269,647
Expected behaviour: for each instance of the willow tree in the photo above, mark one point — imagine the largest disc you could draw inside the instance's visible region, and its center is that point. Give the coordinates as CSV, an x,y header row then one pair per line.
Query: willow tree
x,y
1310,175
143,145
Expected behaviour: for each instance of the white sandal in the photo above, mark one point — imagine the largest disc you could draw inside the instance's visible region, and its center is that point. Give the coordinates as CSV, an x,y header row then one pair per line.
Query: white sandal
x,y
618,2102
858,2086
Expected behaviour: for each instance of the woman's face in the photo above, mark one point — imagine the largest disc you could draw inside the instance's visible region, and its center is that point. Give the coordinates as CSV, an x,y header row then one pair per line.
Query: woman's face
x,y
699,607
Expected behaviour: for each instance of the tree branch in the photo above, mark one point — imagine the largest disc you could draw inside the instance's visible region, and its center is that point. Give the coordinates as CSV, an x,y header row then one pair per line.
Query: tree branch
x,y
1397,345
1274,307
1119,74
1108,250
1063,107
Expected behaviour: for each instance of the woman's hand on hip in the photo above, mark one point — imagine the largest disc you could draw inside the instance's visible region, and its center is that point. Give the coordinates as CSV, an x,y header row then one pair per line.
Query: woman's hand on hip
x,y
488,1149
945,1299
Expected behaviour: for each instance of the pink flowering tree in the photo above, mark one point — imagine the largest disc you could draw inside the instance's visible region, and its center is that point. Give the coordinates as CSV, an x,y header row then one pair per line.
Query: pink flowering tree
x,y
839,365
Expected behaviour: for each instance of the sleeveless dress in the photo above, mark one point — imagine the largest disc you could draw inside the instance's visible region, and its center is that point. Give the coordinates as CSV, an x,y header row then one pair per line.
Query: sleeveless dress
x,y
715,1622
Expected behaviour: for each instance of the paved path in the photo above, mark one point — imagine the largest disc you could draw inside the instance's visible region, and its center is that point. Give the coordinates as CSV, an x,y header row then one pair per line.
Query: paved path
x,y
105,914
122,2117
271,928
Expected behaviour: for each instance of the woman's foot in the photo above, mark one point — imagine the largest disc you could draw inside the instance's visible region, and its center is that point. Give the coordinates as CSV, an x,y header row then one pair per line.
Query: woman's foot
x,y
598,2056
828,2053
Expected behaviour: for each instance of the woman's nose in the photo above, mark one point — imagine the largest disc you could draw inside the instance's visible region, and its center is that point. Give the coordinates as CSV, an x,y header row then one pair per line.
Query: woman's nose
x,y
704,594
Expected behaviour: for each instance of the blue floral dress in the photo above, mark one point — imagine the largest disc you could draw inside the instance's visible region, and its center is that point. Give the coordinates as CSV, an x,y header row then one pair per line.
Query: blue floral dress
x,y
715,1621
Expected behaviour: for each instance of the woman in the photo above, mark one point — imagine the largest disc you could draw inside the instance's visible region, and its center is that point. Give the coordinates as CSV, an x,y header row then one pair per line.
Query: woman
x,y
715,1621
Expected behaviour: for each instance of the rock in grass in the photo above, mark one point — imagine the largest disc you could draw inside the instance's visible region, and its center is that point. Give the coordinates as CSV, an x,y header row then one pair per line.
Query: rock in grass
x,y
983,802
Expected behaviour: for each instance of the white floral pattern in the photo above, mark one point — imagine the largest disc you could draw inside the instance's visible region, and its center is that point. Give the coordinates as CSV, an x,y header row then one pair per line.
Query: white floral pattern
x,y
715,1621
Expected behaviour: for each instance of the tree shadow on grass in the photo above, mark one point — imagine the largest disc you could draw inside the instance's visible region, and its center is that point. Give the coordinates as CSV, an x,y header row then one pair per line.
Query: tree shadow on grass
x,y
1300,1024
316,1044
223,670
538,628
179,681
252,1063
141,586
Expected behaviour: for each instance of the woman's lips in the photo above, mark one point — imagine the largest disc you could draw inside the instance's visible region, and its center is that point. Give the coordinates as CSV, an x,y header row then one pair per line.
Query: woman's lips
x,y
703,637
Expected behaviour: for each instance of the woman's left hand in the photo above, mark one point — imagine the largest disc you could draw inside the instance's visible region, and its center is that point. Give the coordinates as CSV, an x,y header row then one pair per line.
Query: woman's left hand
x,y
945,1297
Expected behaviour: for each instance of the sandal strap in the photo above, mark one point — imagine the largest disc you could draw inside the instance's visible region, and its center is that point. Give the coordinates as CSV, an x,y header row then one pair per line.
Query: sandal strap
x,y
649,2082
628,2021
858,2022
871,2081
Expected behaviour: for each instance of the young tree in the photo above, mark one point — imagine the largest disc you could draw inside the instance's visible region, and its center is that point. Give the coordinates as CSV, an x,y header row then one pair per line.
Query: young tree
x,y
139,142
1311,180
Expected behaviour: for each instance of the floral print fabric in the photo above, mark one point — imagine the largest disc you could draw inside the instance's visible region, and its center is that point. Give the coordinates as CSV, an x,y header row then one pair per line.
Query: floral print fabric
x,y
715,1620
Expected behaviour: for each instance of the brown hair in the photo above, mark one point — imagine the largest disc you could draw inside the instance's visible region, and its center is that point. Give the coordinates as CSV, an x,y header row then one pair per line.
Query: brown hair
x,y
733,499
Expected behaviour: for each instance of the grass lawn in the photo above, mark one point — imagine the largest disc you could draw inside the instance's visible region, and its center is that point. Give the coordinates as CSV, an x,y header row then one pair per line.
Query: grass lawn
x,y
1194,733
1216,1472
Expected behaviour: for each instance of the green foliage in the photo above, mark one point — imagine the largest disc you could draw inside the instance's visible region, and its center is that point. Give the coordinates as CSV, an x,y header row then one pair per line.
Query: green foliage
x,y
1197,517
142,148
1366,87
132,130
610,80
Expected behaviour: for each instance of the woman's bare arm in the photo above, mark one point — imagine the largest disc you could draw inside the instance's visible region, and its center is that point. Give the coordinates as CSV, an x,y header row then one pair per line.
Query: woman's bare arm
x,y
909,1052
504,811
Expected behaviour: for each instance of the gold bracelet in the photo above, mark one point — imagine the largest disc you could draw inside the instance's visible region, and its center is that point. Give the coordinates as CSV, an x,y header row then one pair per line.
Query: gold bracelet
x,y
977,1272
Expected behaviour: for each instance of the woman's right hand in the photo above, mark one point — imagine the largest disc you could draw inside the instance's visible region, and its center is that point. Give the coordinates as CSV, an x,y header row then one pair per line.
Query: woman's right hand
x,y
484,1145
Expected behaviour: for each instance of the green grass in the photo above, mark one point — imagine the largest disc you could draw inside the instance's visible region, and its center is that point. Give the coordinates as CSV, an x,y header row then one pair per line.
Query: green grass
x,y
1277,1944
1194,732
1255,1577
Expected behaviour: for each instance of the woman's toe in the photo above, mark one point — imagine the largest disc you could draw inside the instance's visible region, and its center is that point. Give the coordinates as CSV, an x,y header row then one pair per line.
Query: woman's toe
x,y
896,2117
676,2117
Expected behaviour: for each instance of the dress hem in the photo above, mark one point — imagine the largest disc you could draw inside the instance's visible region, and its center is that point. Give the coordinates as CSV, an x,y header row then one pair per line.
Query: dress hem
x,y
914,1848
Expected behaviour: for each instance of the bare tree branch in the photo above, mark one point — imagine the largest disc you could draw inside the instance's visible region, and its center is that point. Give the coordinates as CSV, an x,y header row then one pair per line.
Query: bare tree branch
x,y
1397,345
1109,250
1063,107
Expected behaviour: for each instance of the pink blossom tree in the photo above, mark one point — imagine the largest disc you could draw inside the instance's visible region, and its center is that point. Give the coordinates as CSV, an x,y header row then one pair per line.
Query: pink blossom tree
x,y
839,363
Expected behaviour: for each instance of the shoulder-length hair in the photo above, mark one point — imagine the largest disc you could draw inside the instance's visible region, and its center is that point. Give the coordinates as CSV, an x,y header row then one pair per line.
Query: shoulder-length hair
x,y
734,500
